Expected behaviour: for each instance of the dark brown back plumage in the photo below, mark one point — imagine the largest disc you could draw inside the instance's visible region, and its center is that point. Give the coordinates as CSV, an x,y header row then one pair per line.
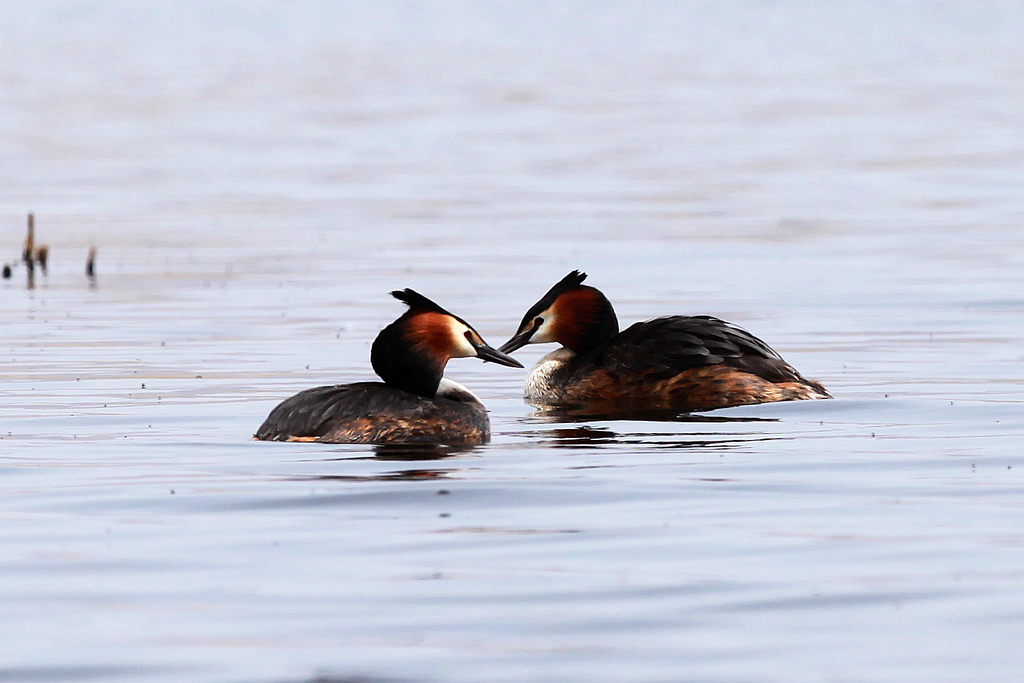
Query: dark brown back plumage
x,y
372,412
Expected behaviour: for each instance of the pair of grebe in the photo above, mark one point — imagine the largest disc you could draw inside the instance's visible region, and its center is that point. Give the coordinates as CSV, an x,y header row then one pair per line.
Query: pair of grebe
x,y
674,363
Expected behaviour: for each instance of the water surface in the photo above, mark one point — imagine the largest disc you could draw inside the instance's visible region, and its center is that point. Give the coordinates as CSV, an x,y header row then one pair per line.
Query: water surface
x,y
843,181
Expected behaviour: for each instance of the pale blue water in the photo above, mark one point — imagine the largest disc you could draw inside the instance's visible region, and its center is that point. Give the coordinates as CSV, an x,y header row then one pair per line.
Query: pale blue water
x,y
843,180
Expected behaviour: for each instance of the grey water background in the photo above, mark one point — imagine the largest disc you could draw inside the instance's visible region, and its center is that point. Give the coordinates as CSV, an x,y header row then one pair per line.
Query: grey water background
x,y
842,179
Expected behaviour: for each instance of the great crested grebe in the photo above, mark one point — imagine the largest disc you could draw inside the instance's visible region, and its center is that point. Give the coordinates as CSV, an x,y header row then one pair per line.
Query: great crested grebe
x,y
414,404
681,363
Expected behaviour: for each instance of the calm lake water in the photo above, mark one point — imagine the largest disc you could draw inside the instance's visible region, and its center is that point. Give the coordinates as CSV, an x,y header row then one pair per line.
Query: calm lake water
x,y
842,179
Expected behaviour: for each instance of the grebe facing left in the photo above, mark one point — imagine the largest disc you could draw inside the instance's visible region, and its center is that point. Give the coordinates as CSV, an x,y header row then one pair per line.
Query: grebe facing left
x,y
413,405
680,363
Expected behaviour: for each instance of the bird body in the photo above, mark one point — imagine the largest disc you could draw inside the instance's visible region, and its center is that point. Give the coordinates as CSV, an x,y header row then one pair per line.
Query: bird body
x,y
413,405
682,363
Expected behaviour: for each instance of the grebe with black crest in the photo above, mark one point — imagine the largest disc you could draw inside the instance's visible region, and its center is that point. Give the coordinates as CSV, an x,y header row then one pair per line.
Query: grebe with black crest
x,y
414,404
678,363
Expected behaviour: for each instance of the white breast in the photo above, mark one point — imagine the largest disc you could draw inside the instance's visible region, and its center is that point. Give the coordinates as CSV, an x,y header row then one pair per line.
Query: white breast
x,y
541,385
454,391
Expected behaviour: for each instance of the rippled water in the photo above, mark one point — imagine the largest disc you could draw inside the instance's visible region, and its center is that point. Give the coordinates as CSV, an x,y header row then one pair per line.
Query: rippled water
x,y
843,180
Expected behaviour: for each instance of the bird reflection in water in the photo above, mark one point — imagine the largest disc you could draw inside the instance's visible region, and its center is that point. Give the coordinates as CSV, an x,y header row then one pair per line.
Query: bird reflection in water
x,y
584,436
573,412
400,453
397,475
424,451
580,437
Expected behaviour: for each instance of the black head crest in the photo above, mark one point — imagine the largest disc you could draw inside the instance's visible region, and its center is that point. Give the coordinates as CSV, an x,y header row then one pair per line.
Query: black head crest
x,y
573,279
421,304
567,283
417,301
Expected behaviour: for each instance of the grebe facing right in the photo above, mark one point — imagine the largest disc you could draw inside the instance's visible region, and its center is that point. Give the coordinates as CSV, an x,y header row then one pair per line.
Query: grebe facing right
x,y
414,404
681,363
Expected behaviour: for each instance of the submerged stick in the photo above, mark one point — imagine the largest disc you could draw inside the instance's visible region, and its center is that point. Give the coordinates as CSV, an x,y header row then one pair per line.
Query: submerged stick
x,y
90,263
28,251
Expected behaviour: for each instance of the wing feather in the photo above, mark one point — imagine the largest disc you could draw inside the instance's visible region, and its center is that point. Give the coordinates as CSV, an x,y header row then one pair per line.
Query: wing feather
x,y
664,347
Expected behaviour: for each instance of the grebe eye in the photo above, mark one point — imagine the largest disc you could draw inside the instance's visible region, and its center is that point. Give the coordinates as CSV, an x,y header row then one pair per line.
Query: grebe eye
x,y
469,336
537,322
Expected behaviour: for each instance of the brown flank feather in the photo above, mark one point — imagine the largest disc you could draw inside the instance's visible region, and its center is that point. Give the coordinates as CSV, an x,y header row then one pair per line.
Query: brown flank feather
x,y
701,388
